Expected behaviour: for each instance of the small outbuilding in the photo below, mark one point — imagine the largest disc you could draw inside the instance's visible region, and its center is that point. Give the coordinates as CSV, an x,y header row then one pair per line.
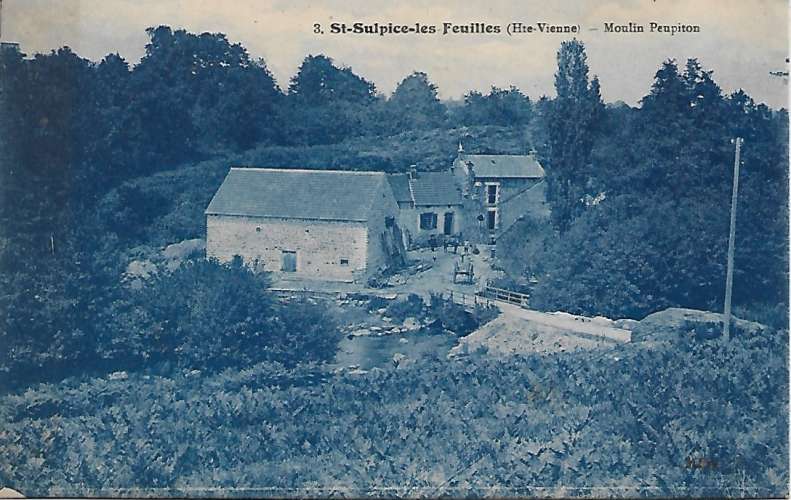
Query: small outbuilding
x,y
318,224
429,203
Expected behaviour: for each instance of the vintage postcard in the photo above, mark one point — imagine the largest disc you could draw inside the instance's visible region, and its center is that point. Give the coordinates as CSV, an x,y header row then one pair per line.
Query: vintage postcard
x,y
269,248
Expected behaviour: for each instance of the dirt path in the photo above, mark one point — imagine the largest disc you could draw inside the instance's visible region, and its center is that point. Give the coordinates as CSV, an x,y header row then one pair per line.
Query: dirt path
x,y
439,278
511,334
522,331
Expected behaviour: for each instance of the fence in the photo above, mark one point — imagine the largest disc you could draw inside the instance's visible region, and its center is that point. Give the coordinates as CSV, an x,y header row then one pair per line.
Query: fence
x,y
467,300
516,298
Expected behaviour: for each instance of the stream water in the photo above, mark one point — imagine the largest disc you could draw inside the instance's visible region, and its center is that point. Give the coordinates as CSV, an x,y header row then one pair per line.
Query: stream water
x,y
368,352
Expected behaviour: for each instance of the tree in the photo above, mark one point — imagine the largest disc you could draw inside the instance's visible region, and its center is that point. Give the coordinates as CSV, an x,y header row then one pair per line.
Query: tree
x,y
194,93
573,124
327,103
319,82
415,105
504,107
658,237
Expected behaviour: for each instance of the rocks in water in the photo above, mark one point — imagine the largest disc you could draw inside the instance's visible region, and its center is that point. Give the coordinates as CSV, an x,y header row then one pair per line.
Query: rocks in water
x,y
411,323
399,359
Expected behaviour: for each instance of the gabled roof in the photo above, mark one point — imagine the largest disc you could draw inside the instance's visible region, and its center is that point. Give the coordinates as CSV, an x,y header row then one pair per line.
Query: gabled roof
x,y
399,183
504,166
298,194
427,188
435,188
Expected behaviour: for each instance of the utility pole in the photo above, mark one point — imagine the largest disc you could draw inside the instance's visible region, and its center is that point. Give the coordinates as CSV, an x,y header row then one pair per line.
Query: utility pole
x,y
726,329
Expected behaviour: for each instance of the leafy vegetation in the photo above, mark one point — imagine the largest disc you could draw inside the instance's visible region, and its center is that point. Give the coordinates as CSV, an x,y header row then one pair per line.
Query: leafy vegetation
x,y
644,221
455,318
694,418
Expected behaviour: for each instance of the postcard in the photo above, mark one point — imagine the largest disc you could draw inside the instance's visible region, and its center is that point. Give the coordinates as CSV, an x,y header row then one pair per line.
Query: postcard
x,y
411,249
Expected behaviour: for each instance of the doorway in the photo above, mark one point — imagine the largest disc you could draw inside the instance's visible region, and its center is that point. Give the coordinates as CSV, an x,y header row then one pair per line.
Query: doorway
x,y
289,261
447,225
491,219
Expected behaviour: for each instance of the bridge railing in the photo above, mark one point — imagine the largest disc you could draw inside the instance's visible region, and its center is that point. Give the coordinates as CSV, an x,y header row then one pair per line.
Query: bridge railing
x,y
467,299
516,298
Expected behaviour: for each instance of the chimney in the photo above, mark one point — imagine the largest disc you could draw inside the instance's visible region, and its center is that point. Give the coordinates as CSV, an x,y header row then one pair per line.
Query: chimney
x,y
413,172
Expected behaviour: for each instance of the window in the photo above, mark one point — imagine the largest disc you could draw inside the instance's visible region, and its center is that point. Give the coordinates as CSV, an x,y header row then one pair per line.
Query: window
x,y
344,261
428,220
491,194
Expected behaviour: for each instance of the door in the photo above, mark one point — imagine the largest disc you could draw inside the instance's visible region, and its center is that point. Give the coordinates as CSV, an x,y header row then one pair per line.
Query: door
x,y
289,263
447,226
491,219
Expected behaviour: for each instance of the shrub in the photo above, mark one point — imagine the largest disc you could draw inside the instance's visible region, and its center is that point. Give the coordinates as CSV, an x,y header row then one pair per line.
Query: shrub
x,y
411,306
209,315
454,317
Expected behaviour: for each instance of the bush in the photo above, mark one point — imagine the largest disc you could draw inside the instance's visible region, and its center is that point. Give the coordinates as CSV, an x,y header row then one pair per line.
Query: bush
x,y
452,316
411,306
208,315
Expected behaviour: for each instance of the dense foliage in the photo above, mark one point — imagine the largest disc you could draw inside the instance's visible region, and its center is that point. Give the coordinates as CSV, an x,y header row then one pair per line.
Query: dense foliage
x,y
203,315
645,223
499,107
689,419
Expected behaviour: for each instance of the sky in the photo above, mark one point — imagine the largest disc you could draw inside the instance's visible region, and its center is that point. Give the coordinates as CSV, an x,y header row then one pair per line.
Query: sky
x,y
741,41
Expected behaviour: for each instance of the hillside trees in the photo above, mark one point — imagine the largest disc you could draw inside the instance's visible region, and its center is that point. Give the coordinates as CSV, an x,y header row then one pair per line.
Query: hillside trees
x,y
504,107
198,92
658,236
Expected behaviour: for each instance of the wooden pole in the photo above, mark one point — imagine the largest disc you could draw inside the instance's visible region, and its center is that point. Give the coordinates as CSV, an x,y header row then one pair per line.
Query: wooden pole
x,y
726,329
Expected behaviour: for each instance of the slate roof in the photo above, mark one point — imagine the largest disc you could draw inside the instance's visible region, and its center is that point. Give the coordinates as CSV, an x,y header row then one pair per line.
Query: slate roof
x,y
297,194
428,188
399,183
505,166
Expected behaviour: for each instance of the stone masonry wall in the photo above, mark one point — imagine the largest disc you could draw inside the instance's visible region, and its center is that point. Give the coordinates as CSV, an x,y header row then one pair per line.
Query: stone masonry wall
x,y
384,206
320,245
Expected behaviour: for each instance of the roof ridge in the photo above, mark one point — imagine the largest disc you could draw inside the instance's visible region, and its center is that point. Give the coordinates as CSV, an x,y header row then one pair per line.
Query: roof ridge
x,y
411,191
308,170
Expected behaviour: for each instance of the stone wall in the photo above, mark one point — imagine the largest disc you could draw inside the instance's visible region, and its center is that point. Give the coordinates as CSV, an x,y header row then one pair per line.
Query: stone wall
x,y
409,220
319,245
385,206
515,198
